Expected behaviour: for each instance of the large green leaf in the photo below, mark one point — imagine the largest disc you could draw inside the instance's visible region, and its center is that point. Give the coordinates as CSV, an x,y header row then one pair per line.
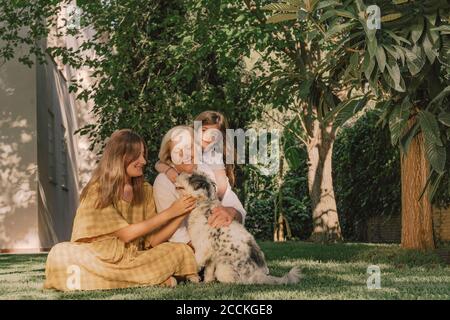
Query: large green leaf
x,y
393,76
333,113
381,58
394,71
434,37
308,5
444,29
338,28
417,29
432,184
293,156
430,127
368,65
354,60
391,17
400,53
353,68
349,110
280,17
438,99
408,137
374,81
415,60
444,118
327,15
435,154
372,43
398,120
391,50
285,7
428,48
327,3
431,18
386,107
396,37
291,146
343,13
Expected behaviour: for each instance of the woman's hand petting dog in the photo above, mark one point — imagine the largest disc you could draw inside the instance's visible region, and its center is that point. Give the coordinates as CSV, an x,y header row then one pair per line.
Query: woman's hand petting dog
x,y
221,217
183,206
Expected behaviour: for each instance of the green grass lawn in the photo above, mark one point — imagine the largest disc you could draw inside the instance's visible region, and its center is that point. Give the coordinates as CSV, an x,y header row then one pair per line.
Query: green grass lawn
x,y
330,272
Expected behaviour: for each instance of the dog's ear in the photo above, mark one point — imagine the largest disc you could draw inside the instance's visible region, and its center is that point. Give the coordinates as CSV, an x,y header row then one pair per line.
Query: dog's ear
x,y
199,181
214,186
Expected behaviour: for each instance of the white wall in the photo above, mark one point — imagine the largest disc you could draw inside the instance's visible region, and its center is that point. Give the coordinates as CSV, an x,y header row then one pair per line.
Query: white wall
x,y
36,211
58,199
18,157
58,203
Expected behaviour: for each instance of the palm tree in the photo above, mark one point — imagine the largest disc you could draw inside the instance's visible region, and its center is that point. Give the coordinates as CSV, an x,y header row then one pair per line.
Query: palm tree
x,y
405,64
314,91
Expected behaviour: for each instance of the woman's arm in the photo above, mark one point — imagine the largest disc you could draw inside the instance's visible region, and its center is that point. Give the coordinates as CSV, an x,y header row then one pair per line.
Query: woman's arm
x,y
222,182
165,232
176,211
161,167
170,172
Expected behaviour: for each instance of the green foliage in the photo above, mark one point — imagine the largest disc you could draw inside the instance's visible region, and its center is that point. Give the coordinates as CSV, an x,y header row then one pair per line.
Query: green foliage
x,y
22,27
406,60
366,177
261,194
161,66
157,64
366,174
442,195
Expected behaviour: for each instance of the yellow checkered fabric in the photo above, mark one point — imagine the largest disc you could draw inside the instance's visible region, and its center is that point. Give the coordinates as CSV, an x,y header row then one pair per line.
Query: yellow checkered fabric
x,y
107,262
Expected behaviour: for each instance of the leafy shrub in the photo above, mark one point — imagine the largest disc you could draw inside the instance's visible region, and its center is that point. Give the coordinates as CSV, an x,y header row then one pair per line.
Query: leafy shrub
x,y
261,195
366,175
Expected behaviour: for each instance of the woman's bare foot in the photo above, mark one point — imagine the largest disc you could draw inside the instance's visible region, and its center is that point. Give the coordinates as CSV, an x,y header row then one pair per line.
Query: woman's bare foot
x,y
194,278
171,282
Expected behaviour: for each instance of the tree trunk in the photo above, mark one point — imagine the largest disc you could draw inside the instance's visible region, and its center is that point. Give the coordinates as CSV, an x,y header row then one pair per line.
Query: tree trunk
x,y
278,235
320,185
280,220
417,220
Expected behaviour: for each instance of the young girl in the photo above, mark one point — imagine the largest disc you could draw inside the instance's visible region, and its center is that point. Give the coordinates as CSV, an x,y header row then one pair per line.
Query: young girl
x,y
118,240
224,173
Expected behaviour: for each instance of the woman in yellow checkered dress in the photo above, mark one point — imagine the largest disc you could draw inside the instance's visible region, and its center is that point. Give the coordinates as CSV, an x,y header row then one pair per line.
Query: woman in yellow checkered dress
x,y
118,240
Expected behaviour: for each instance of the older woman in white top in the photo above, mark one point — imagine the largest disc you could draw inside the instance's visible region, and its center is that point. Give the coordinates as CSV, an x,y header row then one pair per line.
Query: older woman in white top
x,y
178,143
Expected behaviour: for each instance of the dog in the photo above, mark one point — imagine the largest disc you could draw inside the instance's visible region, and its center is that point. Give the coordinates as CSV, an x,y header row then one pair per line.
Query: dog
x,y
229,254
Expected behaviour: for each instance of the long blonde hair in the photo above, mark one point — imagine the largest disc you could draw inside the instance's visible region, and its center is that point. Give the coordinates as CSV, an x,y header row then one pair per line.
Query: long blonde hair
x,y
109,178
217,118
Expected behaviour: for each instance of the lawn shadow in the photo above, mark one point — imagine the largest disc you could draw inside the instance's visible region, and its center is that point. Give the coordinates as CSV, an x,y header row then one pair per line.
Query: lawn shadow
x,y
335,271
354,252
